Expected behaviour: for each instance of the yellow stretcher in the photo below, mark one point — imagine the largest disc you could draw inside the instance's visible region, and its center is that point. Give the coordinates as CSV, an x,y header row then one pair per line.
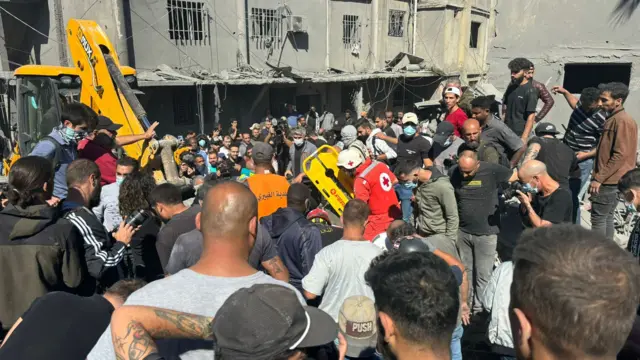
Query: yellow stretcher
x,y
322,169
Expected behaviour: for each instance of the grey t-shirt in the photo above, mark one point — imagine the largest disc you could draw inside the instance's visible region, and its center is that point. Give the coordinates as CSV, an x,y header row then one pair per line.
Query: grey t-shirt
x,y
444,158
338,273
189,292
188,248
501,136
178,225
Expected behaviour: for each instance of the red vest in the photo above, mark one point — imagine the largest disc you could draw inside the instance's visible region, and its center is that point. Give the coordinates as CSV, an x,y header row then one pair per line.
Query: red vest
x,y
376,178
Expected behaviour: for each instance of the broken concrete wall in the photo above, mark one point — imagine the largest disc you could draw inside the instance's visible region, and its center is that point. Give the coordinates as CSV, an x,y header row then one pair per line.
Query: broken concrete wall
x,y
554,33
344,56
50,17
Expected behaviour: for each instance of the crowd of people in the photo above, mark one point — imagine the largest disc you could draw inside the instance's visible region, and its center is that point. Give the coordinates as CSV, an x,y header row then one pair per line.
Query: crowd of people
x,y
244,259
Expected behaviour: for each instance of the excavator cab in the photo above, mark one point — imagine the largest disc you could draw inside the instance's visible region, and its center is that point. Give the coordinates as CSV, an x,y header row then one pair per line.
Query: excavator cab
x,y
39,101
97,80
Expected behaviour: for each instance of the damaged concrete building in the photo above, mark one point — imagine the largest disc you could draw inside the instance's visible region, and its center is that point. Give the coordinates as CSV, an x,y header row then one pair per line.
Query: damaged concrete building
x,y
202,61
574,44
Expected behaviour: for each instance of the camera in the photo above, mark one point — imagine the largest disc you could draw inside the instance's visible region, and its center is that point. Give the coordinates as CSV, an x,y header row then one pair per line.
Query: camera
x,y
137,218
510,191
224,167
282,127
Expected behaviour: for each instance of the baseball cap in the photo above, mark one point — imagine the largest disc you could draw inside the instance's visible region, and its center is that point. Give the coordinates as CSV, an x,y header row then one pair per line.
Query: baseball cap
x,y
410,118
262,152
443,131
319,214
349,159
453,90
266,320
255,126
357,320
104,123
545,128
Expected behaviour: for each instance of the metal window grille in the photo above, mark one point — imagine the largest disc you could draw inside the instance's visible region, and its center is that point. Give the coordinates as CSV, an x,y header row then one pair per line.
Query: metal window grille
x,y
188,22
350,30
396,23
266,28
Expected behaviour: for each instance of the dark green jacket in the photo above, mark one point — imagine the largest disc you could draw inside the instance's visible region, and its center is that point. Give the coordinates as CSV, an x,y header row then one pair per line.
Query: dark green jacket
x,y
39,253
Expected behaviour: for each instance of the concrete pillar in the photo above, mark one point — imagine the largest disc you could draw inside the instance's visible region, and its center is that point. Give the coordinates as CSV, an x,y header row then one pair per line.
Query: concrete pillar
x,y
375,30
119,41
241,10
464,26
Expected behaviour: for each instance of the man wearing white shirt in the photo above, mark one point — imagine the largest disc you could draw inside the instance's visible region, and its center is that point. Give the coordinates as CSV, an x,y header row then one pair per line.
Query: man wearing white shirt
x,y
378,148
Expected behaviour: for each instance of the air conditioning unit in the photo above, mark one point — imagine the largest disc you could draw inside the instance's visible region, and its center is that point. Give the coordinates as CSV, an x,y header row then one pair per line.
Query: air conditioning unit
x,y
297,23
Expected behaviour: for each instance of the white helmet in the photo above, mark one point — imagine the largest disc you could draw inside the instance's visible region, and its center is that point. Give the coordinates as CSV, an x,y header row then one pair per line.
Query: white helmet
x,y
350,159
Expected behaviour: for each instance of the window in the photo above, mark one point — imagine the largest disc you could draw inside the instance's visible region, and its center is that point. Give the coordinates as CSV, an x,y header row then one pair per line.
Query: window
x,y
350,31
188,22
396,23
475,35
578,76
266,28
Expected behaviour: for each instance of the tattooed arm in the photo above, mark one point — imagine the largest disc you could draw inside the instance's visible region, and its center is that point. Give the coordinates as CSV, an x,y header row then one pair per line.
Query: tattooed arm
x,y
531,154
276,269
133,329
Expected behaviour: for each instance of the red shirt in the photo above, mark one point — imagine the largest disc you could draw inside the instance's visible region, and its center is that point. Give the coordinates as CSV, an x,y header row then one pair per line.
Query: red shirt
x,y
374,185
104,158
457,118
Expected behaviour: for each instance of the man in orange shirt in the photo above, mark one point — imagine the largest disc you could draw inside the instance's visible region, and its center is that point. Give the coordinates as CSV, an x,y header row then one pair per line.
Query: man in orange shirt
x,y
373,184
270,188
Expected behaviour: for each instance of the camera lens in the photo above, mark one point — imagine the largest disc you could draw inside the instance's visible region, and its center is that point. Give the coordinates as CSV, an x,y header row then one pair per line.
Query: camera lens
x,y
137,218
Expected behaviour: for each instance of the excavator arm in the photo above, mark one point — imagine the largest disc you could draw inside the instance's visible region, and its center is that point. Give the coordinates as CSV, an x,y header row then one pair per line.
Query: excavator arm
x,y
104,87
97,80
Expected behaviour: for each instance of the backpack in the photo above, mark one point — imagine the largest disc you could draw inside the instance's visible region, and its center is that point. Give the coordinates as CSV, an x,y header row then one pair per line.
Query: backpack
x,y
57,154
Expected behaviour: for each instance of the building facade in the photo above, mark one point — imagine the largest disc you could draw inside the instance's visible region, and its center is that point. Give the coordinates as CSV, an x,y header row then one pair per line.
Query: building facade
x,y
225,59
572,44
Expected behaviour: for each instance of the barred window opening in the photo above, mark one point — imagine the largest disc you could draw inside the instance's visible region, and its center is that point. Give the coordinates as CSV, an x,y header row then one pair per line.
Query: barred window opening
x,y
188,22
350,30
266,28
396,23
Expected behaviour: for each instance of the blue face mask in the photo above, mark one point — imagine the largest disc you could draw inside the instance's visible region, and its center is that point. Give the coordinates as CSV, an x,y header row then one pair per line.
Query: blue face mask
x,y
410,185
202,143
119,179
409,130
212,169
529,189
69,134
630,207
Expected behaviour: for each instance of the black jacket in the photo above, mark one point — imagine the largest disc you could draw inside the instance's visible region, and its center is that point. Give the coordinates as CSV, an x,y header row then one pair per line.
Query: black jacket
x,y
102,254
39,253
297,239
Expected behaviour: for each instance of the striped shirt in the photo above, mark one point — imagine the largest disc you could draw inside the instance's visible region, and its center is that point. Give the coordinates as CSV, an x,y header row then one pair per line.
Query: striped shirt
x,y
584,130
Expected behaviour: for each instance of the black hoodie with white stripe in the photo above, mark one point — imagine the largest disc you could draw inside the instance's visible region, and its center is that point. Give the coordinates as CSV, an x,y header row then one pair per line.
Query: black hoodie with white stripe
x,y
104,255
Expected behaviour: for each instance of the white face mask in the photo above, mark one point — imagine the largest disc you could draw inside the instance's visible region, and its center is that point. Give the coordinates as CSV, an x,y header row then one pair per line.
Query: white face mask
x,y
298,142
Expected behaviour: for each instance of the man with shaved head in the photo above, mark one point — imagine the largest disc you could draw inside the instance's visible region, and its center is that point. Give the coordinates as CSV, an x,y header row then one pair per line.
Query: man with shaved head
x,y
543,201
228,223
472,136
476,184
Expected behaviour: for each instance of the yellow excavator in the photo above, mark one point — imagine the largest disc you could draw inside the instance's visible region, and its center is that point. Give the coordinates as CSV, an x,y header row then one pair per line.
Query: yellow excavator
x,y
97,80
